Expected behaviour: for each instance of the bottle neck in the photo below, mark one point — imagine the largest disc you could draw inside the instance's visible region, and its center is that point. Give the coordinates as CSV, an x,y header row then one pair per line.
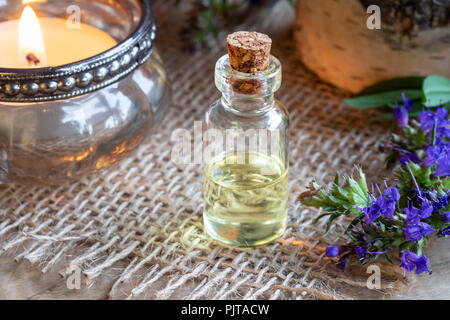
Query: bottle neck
x,y
247,93
250,104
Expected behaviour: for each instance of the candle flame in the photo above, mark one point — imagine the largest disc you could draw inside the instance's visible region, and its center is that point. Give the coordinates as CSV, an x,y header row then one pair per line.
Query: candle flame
x,y
31,44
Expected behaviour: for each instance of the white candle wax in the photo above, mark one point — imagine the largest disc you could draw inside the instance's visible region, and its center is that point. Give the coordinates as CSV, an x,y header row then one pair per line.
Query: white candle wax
x,y
62,45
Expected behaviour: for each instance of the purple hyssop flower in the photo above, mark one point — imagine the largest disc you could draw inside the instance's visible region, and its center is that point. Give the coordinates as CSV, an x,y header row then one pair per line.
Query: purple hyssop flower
x,y
362,252
406,102
413,215
372,213
384,205
435,152
388,201
428,119
445,231
401,116
426,210
343,261
443,168
411,261
446,217
401,113
332,251
392,193
415,232
439,154
440,202
443,128
407,156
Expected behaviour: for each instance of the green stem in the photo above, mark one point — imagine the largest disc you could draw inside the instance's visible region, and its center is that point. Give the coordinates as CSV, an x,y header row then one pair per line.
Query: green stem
x,y
433,137
414,179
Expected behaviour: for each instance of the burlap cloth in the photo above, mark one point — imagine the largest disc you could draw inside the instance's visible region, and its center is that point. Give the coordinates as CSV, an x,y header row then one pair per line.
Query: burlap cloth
x,y
139,225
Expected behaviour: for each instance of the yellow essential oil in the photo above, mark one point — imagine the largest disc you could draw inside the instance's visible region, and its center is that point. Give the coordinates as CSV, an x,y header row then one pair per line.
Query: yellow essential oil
x,y
246,199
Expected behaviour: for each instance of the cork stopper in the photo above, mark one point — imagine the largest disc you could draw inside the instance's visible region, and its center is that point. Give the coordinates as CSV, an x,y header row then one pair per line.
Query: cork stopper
x,y
249,52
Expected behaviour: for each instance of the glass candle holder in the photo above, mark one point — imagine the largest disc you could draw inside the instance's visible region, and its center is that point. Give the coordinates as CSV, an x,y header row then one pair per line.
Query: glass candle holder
x,y
62,122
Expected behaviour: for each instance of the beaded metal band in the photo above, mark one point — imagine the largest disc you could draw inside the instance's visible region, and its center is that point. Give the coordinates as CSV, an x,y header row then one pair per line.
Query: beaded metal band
x,y
53,83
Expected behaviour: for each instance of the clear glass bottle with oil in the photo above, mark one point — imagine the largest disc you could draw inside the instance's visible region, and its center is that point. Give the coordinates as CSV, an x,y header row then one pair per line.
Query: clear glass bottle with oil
x,y
246,166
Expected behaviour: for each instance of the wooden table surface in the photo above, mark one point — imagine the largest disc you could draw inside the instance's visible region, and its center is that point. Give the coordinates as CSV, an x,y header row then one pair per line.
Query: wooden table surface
x,y
23,281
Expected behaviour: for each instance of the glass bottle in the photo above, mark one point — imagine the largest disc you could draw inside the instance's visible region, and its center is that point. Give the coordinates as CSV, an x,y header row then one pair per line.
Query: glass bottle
x,y
246,169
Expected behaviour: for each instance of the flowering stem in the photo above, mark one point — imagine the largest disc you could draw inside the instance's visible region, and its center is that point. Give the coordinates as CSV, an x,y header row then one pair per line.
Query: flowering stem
x,y
400,217
433,137
414,179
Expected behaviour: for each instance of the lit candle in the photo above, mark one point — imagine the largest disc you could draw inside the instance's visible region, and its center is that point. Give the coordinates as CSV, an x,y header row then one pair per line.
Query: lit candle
x,y
35,43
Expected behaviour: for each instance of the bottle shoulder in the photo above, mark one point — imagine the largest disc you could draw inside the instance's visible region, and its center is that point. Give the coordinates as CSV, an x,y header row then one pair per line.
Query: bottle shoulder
x,y
220,116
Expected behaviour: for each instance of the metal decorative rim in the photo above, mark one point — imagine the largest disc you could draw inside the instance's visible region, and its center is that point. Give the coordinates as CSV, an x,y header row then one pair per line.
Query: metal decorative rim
x,y
77,78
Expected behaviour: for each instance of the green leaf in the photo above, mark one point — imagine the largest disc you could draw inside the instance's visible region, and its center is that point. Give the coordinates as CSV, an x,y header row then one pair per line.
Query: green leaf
x,y
353,224
417,105
385,116
340,200
398,242
394,84
435,221
362,182
433,136
436,90
341,192
330,223
417,140
320,217
314,202
359,194
348,233
388,258
382,99
382,226
420,245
